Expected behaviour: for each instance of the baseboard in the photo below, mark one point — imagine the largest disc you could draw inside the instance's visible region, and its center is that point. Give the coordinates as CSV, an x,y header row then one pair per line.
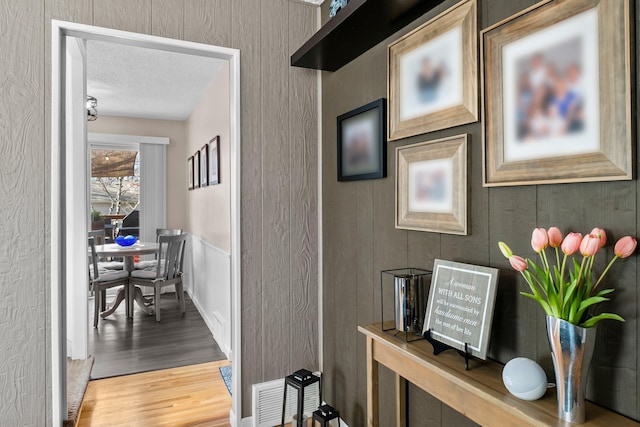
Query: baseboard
x,y
211,325
247,422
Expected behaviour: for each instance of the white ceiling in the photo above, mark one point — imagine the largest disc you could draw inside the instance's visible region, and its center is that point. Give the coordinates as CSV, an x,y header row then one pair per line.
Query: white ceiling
x,y
138,82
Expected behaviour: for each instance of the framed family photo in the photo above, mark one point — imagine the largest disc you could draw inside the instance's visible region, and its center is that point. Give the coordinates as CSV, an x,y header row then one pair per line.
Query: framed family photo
x,y
204,165
214,161
557,94
431,186
190,173
361,143
433,74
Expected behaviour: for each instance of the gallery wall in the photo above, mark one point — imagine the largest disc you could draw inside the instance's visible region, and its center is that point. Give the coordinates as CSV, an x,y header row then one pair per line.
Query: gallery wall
x,y
209,208
279,180
360,240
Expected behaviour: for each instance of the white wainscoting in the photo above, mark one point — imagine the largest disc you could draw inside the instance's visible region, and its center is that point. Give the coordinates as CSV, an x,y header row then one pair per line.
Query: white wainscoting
x,y
208,282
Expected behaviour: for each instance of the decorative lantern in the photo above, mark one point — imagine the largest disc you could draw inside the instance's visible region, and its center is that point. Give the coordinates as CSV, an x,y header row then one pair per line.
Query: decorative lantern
x,y
306,389
326,416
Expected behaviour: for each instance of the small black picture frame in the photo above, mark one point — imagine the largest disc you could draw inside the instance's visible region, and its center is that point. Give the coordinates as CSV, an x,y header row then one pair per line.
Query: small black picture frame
x,y
362,141
204,165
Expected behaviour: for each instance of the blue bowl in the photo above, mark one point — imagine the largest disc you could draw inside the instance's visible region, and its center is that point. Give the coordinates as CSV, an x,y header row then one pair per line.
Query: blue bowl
x,y
126,240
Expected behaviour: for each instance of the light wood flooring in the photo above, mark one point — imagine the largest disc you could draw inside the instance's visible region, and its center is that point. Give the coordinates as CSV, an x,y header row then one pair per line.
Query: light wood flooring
x,y
186,396
124,346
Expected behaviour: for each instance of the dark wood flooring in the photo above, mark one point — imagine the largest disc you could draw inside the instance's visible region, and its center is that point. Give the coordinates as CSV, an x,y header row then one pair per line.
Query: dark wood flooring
x,y
124,346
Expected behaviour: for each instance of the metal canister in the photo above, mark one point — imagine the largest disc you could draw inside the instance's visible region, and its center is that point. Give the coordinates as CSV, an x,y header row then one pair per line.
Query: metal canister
x,y
410,302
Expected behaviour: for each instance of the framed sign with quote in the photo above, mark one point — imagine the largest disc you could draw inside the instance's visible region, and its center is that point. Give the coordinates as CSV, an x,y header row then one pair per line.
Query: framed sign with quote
x,y
460,308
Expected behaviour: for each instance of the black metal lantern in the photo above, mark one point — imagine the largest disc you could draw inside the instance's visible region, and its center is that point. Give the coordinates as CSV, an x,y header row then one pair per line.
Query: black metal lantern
x,y
326,416
306,389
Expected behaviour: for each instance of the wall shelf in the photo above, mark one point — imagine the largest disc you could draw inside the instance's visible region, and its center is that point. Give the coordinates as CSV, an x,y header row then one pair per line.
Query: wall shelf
x,y
355,29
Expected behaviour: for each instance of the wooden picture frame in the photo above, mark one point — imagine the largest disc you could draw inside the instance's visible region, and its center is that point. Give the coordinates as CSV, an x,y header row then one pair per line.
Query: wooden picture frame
x,y
431,186
433,74
362,150
574,125
196,169
204,165
460,308
214,161
190,173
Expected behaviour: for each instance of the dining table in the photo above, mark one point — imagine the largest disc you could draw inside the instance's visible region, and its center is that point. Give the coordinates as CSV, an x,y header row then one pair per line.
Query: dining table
x,y
127,253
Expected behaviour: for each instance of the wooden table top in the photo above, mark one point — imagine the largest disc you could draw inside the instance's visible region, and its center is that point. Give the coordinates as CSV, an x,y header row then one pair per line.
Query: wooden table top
x,y
482,384
115,250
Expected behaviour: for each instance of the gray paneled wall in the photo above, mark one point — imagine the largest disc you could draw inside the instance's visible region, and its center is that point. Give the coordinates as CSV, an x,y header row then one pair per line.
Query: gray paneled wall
x,y
359,240
279,180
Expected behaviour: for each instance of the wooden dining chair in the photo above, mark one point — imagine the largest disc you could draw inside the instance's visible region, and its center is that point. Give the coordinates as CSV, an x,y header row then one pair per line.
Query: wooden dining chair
x,y
150,265
168,271
99,236
102,279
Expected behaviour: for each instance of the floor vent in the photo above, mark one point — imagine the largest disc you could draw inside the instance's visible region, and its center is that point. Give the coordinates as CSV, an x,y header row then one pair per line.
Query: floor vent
x,y
267,403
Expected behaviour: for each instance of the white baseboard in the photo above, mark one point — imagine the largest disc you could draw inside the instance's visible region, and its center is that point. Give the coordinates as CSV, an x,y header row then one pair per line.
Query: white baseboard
x,y
247,422
213,325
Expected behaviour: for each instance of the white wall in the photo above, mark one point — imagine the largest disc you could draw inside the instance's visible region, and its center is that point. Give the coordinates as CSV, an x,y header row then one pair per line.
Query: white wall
x,y
208,282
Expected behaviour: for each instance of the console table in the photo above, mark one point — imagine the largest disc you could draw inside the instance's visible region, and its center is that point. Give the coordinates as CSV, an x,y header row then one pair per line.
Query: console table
x,y
479,393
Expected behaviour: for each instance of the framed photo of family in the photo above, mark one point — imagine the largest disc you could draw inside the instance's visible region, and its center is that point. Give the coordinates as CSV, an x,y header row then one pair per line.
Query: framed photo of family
x,y
557,94
431,186
361,142
433,74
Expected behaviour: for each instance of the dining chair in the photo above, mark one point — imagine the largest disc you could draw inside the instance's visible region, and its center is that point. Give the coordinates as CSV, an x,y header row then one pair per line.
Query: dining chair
x,y
150,265
102,279
100,239
168,271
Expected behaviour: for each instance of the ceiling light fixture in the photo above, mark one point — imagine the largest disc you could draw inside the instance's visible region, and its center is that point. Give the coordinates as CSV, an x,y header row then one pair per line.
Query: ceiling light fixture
x,y
92,108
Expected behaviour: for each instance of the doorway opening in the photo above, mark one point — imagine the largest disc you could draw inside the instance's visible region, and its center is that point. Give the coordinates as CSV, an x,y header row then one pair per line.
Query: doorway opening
x,y
68,198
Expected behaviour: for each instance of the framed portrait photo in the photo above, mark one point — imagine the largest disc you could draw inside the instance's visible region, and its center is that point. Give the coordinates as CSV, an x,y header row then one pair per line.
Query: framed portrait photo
x,y
362,150
431,186
204,165
433,74
557,94
190,173
214,161
196,169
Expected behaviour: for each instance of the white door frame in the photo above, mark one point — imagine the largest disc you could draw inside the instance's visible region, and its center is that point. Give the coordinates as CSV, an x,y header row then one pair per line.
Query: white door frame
x,y
59,191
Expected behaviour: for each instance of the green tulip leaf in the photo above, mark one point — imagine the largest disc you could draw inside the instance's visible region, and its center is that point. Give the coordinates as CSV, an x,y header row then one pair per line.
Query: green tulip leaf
x,y
591,322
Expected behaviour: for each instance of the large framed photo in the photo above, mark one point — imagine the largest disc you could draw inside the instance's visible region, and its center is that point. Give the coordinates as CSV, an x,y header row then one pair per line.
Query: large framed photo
x,y
362,150
433,74
557,94
204,165
214,161
190,173
460,308
431,186
196,170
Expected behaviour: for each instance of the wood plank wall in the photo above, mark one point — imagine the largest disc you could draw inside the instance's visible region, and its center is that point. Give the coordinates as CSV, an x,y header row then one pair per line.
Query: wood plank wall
x,y
359,240
279,180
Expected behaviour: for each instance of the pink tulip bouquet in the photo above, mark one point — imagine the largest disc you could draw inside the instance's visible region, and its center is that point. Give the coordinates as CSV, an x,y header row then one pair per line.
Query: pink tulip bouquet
x,y
568,291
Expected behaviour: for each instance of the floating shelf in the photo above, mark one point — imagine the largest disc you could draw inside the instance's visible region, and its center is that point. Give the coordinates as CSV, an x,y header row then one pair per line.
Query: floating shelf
x,y
357,28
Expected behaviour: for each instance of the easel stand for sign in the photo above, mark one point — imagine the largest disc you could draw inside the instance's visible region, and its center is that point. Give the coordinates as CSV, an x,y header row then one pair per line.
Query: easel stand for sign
x,y
439,347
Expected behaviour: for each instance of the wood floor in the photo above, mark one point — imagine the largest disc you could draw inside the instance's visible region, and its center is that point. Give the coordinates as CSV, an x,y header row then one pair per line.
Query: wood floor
x,y
186,396
123,346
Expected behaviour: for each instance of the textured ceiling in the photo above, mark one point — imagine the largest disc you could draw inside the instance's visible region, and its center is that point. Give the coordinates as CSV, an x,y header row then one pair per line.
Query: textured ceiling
x,y
137,82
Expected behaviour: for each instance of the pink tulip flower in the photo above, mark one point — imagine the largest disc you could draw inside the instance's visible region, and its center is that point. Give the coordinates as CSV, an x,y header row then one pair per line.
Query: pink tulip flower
x,y
555,237
518,263
590,245
539,239
571,243
602,234
625,247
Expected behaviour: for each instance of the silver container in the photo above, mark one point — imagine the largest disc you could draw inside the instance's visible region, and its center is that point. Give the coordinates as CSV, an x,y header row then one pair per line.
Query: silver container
x,y
571,351
410,302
